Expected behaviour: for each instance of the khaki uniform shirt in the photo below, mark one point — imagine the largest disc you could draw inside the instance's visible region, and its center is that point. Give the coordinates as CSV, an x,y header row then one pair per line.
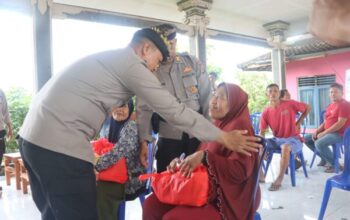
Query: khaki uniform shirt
x,y
186,79
4,112
70,109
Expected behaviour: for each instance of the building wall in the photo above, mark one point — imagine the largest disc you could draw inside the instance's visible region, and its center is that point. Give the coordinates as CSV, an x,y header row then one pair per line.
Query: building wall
x,y
331,64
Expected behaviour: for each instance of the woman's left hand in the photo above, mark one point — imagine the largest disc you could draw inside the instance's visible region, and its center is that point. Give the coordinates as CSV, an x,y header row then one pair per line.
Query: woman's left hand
x,y
190,163
96,158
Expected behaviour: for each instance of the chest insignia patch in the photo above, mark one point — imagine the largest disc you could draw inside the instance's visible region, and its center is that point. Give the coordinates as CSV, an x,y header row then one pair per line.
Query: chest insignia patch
x,y
187,69
193,89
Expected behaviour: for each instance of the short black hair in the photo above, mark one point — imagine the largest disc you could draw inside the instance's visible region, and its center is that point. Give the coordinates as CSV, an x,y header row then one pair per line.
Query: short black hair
x,y
212,73
272,85
283,92
337,85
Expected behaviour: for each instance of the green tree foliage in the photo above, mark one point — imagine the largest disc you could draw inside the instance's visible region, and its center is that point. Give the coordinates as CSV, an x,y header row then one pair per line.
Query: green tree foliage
x,y
254,83
217,69
18,100
210,66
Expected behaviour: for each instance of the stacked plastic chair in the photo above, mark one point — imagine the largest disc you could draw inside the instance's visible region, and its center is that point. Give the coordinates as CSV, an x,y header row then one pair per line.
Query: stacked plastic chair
x,y
341,181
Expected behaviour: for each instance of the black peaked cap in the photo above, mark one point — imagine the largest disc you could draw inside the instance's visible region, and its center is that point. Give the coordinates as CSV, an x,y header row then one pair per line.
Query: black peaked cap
x,y
155,38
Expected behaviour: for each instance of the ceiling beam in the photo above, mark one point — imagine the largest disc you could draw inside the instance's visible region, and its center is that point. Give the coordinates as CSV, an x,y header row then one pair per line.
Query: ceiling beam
x,y
94,15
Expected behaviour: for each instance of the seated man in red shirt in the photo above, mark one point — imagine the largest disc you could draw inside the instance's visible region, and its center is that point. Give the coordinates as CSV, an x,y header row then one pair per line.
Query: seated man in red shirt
x,y
337,119
280,117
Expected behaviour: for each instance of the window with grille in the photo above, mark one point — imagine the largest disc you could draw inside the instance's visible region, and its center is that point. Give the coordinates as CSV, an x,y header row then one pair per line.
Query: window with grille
x,y
314,91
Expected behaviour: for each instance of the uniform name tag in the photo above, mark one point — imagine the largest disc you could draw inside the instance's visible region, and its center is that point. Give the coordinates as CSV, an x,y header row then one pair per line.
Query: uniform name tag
x,y
187,69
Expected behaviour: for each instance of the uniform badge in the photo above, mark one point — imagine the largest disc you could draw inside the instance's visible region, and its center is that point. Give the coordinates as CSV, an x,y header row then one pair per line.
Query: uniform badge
x,y
187,69
177,58
193,89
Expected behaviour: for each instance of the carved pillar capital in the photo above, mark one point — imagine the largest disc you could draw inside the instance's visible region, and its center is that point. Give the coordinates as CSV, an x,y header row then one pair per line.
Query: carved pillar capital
x,y
42,5
195,13
276,30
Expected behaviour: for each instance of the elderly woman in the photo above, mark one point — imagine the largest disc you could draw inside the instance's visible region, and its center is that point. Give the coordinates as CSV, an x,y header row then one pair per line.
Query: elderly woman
x,y
231,175
123,134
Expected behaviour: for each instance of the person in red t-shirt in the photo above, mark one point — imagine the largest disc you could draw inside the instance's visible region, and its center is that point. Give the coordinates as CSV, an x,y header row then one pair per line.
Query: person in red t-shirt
x,y
280,117
285,95
337,119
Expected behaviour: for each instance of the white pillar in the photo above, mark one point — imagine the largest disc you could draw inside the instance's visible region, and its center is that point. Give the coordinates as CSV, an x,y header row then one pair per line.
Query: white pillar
x,y
278,67
42,42
276,40
196,18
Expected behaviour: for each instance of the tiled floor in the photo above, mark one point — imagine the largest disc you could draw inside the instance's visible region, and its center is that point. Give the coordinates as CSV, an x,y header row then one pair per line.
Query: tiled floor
x,y
290,203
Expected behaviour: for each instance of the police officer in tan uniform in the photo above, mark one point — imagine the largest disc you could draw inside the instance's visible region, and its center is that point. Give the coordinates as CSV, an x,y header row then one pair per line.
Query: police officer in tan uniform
x,y
184,77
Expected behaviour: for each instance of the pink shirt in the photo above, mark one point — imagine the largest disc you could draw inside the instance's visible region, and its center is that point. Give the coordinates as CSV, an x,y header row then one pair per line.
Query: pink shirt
x,y
282,118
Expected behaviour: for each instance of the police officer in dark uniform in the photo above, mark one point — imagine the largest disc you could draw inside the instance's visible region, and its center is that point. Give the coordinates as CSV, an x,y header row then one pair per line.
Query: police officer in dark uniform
x,y
185,77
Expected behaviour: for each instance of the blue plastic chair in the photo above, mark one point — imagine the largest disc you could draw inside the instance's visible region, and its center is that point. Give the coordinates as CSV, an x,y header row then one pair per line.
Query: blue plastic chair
x,y
299,154
261,162
337,148
142,197
341,181
255,121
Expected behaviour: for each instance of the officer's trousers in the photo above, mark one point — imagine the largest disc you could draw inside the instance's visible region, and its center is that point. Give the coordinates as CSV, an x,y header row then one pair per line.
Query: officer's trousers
x,y
63,187
168,149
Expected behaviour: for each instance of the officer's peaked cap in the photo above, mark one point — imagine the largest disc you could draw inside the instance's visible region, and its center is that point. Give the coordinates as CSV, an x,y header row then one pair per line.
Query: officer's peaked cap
x,y
157,38
168,30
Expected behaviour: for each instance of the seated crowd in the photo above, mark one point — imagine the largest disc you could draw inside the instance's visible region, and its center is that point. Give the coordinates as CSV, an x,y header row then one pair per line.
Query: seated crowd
x,y
232,176
176,101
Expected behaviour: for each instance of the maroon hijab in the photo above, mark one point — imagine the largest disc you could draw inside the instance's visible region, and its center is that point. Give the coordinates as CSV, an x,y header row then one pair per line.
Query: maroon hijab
x,y
232,174
238,115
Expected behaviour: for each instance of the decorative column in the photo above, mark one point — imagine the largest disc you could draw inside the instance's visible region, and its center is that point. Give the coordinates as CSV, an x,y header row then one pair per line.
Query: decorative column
x,y
42,41
276,30
196,18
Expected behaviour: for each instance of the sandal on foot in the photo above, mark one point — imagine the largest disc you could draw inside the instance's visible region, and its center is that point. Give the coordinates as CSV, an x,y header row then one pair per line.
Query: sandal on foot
x,y
274,187
329,170
322,163
297,163
332,169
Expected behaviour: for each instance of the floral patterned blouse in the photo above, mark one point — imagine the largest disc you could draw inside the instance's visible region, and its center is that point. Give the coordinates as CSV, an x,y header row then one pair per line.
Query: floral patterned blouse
x,y
128,147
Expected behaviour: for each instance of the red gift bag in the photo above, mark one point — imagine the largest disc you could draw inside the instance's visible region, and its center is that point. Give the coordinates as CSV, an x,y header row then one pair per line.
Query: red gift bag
x,y
117,172
175,189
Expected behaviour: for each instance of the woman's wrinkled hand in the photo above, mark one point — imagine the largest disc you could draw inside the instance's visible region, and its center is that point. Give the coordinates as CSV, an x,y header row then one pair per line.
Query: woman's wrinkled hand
x,y
173,165
190,163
